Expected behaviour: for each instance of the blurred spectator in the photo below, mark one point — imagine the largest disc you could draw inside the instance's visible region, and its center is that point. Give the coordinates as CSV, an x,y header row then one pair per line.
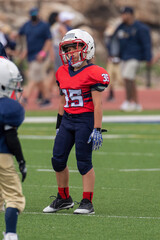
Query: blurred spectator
x,y
66,18
3,39
113,61
38,40
156,58
2,50
10,36
59,25
57,31
135,46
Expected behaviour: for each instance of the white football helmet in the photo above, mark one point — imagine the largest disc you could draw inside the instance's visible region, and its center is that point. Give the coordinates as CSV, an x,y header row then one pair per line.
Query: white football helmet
x,y
76,38
10,79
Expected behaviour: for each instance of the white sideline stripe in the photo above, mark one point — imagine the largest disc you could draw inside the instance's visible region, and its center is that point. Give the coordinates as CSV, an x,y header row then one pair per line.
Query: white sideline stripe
x,y
92,215
111,119
51,170
132,119
140,170
40,120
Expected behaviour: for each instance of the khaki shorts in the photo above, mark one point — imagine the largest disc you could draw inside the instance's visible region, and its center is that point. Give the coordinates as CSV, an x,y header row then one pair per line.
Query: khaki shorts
x,y
114,71
129,69
10,185
37,71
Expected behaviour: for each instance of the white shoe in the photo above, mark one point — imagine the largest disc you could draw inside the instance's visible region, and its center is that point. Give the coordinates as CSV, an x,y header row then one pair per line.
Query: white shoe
x,y
132,107
10,236
124,105
139,108
128,106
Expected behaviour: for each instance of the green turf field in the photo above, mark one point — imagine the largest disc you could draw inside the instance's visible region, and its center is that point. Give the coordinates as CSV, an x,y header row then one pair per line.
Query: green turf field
x,y
127,189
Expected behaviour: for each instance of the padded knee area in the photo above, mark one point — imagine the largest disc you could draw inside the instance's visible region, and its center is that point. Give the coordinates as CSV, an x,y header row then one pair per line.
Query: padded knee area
x,y
58,165
84,167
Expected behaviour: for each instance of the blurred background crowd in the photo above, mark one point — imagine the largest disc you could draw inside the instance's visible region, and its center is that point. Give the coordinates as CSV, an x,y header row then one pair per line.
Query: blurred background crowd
x,y
31,31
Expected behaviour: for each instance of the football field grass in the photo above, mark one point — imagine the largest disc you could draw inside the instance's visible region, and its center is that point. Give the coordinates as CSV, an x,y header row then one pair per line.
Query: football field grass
x,y
127,189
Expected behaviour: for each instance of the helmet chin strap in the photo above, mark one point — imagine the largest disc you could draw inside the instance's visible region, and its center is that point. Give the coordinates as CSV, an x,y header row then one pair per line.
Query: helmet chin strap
x,y
70,61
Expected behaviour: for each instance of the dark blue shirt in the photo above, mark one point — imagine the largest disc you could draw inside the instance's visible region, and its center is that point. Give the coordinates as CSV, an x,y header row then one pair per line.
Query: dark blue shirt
x,y
135,41
12,114
36,36
2,51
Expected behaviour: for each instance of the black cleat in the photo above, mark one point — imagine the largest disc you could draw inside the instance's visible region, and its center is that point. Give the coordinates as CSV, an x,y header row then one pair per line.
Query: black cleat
x,y
85,207
59,204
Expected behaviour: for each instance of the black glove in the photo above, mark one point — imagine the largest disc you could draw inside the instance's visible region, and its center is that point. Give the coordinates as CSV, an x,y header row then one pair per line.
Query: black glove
x,y
23,169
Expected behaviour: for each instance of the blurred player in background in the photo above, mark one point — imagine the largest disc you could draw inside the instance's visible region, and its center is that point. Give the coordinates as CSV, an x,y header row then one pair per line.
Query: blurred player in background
x,y
11,117
79,119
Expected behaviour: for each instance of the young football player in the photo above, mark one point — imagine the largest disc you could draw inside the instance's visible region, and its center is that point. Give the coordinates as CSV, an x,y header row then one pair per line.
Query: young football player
x,y
11,117
79,119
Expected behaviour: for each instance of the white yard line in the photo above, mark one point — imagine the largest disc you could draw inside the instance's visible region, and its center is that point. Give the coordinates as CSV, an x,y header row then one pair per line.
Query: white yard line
x,y
78,187
51,170
93,215
140,170
116,136
49,186
126,153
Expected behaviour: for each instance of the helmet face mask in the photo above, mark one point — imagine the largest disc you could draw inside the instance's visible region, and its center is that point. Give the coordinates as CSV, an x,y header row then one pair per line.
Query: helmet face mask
x,y
76,42
79,49
10,80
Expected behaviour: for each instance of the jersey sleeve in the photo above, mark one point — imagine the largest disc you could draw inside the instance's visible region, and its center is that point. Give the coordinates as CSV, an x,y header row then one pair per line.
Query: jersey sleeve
x,y
58,82
100,79
14,113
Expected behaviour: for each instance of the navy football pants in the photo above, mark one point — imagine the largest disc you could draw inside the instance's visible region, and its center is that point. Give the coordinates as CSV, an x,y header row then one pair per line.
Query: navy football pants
x,y
74,129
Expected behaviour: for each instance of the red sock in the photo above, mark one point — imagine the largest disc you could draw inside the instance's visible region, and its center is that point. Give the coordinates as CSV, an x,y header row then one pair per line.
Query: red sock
x,y
63,192
88,195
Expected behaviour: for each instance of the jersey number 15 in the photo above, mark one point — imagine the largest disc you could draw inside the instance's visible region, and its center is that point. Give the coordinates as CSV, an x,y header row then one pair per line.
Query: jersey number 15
x,y
73,97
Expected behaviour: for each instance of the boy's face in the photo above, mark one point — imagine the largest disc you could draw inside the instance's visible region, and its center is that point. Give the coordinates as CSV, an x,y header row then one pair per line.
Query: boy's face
x,y
74,53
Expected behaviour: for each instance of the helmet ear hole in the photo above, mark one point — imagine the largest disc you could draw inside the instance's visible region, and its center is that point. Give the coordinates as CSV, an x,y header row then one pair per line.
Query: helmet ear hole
x,y
3,88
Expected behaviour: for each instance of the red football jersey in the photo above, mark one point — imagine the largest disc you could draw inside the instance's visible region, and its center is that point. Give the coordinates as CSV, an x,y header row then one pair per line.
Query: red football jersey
x,y
76,86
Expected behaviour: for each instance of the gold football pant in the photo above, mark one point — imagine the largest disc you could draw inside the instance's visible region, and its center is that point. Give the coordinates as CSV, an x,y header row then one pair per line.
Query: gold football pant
x,y
10,184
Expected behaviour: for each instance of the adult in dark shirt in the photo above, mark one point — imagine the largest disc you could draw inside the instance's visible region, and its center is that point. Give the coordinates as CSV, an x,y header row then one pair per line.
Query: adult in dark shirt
x,y
39,44
135,46
2,51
